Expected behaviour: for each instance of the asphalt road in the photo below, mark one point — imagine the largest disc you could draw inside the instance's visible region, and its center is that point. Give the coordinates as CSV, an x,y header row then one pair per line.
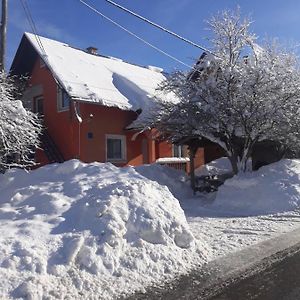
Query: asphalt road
x,y
275,276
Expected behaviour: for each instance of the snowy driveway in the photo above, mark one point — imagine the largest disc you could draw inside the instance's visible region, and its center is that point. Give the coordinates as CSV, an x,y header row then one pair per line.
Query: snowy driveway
x,y
226,233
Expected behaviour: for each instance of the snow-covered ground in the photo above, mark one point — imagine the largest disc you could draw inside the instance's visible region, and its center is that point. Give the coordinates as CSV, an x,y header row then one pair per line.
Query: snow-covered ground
x,y
84,231
248,208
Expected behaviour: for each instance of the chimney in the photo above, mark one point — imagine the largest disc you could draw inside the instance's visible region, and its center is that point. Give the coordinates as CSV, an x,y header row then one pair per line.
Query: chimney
x,y
92,50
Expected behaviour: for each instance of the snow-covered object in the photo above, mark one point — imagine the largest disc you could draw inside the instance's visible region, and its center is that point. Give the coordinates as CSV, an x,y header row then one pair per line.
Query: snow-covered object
x,y
172,160
216,167
272,189
175,180
156,69
89,231
99,79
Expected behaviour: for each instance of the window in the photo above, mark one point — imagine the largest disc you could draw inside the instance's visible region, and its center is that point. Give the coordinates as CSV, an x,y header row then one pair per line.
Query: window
x,y
115,147
63,100
38,105
177,150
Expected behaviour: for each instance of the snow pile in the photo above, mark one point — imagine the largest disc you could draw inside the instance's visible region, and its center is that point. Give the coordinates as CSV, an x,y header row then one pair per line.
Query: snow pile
x,y
89,231
272,189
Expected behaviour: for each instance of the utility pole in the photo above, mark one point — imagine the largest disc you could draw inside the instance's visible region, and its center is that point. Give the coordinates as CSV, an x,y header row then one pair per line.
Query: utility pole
x,y
3,30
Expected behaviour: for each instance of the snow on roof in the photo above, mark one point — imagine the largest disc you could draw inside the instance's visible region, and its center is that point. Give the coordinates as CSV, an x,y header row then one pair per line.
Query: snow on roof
x,y
103,80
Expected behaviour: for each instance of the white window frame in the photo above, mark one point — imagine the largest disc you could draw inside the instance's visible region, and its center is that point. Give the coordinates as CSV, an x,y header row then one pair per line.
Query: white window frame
x,y
60,93
123,147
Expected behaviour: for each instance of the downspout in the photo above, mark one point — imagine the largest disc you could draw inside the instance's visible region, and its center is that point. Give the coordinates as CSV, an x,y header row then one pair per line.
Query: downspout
x,y
79,119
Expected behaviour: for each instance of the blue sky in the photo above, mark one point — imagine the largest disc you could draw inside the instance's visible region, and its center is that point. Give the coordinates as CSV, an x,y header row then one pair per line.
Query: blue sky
x,y
71,22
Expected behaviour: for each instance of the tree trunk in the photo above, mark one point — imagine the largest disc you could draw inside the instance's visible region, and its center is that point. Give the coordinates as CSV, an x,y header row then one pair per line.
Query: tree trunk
x,y
234,163
192,152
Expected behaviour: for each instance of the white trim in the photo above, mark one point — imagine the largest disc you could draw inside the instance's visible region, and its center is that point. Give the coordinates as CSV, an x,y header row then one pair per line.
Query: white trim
x,y
123,147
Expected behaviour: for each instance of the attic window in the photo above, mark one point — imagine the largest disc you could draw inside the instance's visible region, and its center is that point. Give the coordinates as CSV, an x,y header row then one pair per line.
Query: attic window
x,y
63,100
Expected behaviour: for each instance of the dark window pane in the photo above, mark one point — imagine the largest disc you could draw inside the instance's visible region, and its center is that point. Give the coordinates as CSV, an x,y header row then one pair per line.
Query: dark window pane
x,y
114,149
65,99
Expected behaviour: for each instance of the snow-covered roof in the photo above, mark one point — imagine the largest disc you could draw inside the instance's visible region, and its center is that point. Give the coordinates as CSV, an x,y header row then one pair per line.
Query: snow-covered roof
x,y
98,79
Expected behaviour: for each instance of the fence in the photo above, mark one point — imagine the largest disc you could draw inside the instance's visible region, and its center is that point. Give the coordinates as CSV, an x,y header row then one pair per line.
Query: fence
x,y
175,162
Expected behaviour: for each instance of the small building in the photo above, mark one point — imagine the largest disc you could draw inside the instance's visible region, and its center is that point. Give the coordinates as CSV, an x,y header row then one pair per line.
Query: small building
x,y
89,104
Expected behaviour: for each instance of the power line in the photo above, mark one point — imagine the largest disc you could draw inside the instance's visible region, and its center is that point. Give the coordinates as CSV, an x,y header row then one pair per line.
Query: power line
x,y
32,25
40,44
134,35
158,26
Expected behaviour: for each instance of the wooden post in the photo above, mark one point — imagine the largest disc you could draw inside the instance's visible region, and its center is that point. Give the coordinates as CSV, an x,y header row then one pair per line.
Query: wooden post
x,y
192,152
3,30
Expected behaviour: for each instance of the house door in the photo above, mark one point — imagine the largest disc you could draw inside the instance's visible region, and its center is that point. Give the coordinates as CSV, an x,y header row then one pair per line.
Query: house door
x,y
145,151
39,105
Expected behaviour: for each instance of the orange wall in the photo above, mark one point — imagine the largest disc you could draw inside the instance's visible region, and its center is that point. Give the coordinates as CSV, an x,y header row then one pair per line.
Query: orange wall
x,y
199,158
57,123
105,120
163,149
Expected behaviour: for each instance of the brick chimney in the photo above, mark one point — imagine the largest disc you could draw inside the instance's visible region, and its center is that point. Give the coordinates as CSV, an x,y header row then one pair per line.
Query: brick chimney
x,y
92,50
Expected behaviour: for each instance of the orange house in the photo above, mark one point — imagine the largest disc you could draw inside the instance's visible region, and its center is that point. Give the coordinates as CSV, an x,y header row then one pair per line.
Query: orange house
x,y
91,104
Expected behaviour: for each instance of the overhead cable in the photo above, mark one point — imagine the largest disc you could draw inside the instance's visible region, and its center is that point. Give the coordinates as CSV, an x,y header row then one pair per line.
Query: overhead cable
x,y
32,25
134,35
159,26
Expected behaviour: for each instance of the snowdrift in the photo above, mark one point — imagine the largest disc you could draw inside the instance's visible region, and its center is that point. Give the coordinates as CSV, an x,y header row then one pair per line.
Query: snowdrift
x,y
272,189
89,230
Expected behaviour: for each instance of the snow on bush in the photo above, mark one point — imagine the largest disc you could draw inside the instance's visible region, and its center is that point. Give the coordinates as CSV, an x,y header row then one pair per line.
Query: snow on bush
x,y
219,166
216,167
80,230
19,128
272,189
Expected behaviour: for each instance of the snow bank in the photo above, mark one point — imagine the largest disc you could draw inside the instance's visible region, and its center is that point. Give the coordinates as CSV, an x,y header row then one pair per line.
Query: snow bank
x,y
90,231
272,189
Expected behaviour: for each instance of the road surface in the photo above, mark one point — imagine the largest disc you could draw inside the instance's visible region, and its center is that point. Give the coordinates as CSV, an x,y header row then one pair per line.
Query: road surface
x,y
266,271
